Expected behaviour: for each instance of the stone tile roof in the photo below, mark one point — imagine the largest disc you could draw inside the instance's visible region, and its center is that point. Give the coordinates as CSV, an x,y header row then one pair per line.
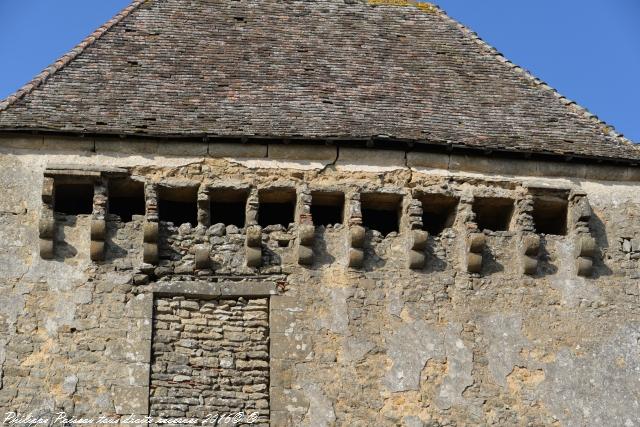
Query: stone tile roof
x,y
311,69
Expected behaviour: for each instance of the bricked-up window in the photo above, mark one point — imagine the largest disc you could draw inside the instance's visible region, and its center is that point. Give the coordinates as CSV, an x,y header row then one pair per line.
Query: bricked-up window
x,y
327,208
210,357
550,215
277,206
73,198
493,213
381,212
126,198
228,206
178,205
438,212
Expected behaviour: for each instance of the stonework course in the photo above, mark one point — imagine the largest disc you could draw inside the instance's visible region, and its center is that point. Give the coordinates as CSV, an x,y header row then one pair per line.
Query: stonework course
x,y
327,213
210,357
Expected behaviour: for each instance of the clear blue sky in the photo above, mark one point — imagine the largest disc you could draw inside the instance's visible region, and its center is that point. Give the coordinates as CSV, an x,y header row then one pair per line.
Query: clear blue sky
x,y
589,50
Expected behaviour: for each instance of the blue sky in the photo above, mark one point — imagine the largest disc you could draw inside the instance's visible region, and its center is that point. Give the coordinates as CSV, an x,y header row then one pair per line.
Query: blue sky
x,y
589,50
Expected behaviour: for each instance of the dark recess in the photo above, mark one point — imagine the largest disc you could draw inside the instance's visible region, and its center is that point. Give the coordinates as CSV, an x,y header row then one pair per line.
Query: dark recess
x,y
74,199
276,207
438,212
126,198
228,207
327,208
381,212
493,213
550,215
178,205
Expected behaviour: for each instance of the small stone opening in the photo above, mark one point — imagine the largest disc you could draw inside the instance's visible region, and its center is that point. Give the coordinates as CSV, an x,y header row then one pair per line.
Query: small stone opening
x,y
73,198
327,208
126,199
277,206
438,212
550,215
178,205
493,213
228,206
381,212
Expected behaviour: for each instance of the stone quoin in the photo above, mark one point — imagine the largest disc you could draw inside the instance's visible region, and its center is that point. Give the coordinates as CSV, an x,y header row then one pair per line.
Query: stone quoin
x,y
316,213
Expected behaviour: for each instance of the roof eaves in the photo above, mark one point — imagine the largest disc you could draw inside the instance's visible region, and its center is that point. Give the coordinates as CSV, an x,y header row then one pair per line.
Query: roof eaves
x,y
68,57
606,128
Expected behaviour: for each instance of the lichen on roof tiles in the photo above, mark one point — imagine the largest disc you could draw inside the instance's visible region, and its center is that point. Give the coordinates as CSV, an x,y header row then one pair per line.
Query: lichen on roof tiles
x,y
317,69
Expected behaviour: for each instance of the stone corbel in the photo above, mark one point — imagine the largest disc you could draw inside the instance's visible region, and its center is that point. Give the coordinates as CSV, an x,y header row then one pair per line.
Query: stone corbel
x,y
356,233
150,238
98,224
202,258
530,249
586,248
417,257
305,247
356,248
253,246
475,245
47,223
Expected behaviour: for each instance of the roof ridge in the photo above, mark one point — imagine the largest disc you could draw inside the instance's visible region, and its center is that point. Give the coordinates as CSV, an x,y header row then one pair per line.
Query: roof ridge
x,y
606,128
69,56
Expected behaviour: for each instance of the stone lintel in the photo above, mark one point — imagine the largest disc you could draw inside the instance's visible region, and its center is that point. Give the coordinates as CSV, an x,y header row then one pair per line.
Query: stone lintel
x,y
202,289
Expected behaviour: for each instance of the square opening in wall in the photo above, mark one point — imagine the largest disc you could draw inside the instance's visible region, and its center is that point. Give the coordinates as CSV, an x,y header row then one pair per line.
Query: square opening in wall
x,y
228,206
438,212
178,205
277,206
550,215
327,208
126,198
73,198
381,212
493,213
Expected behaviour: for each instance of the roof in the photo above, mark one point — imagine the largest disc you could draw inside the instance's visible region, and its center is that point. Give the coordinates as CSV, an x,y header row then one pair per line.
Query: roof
x,y
304,69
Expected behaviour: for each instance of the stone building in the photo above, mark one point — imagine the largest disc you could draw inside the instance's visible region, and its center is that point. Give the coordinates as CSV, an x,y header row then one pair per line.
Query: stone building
x,y
327,212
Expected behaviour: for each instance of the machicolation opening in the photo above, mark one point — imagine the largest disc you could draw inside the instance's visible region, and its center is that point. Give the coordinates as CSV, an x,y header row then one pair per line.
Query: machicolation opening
x,y
493,213
73,198
126,198
327,208
228,206
178,205
381,212
550,215
277,206
438,212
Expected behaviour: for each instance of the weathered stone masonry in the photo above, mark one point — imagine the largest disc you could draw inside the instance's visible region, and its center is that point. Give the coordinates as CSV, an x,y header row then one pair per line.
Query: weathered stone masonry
x,y
334,212
210,357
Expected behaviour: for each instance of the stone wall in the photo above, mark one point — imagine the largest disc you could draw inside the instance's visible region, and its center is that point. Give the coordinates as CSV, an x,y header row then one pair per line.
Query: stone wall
x,y
210,356
385,342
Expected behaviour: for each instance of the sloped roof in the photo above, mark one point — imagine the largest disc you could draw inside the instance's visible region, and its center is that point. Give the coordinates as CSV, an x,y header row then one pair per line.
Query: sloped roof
x,y
311,69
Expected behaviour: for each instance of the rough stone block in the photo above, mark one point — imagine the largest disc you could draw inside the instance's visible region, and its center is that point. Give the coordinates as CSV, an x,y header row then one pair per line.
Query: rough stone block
x,y
253,256
254,236
97,250
306,234
203,261
416,259
305,255
531,244
98,229
356,257
588,246
150,232
47,228
584,266
357,234
530,265
476,242
420,238
150,253
474,262
48,190
46,249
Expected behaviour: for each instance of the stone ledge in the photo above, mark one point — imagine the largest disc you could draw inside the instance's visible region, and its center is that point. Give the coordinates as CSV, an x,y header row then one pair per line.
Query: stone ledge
x,y
202,289
302,152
